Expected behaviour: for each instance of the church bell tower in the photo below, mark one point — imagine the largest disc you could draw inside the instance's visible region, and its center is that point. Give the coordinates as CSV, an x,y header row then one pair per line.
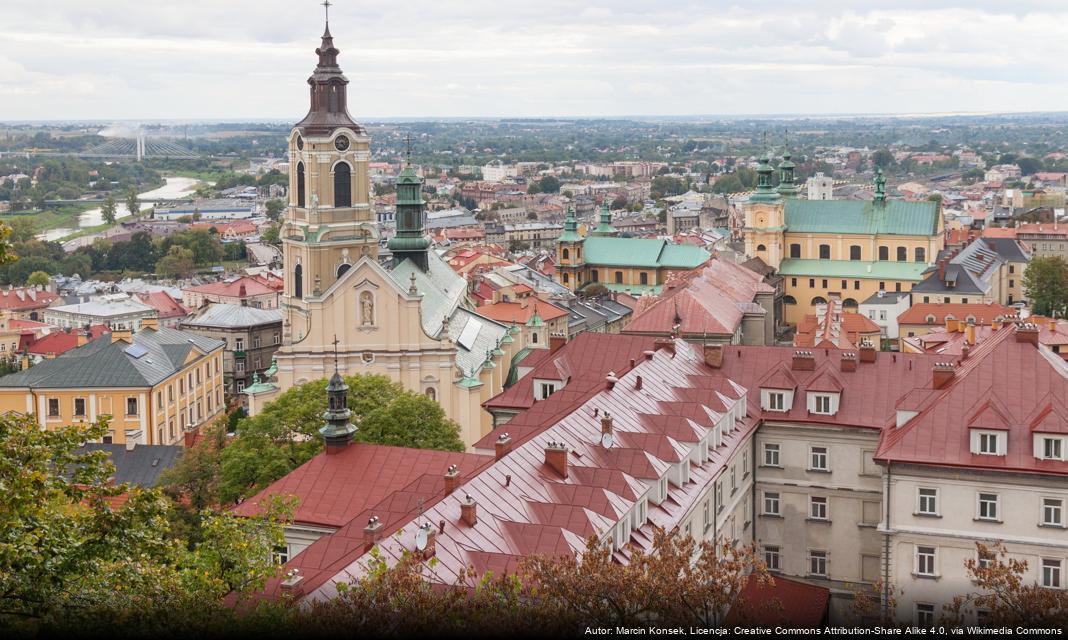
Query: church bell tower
x,y
329,223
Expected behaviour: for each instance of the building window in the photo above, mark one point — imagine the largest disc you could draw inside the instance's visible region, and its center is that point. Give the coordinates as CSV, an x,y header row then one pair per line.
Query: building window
x,y
239,367
925,561
79,407
281,554
1051,573
988,506
239,344
619,277
1052,448
988,444
821,404
818,459
771,454
825,283
300,184
795,251
854,252
547,389
897,287
298,282
643,278
902,254
924,614
565,278
817,563
170,392
131,406
771,503
566,253
240,386
342,185
985,557
811,283
928,502
53,407
594,276
719,496
921,255
771,558
777,401
817,508
1053,512
825,252
884,253
761,247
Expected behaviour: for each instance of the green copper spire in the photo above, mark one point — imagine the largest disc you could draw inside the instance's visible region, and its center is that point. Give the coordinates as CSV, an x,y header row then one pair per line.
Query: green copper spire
x,y
570,233
410,242
787,185
880,187
605,228
338,431
764,191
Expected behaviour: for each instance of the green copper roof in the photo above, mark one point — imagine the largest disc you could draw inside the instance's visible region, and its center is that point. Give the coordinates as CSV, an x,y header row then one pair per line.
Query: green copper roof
x,y
881,270
507,339
469,381
257,386
570,233
605,228
764,191
895,217
535,320
787,186
642,252
880,187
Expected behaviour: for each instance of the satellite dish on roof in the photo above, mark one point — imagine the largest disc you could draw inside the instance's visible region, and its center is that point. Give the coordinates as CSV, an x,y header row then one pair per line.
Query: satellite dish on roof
x,y
421,538
607,439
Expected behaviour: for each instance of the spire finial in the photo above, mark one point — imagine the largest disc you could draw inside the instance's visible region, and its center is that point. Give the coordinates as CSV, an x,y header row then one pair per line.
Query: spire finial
x,y
326,7
765,143
408,152
336,341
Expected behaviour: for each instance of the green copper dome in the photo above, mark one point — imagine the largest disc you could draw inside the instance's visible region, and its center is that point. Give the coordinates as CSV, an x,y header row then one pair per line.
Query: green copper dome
x,y
787,185
764,191
570,233
605,227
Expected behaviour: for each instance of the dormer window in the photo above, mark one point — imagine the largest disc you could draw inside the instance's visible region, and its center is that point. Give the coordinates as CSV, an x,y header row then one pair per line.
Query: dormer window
x,y
1049,447
930,319
823,403
988,443
776,399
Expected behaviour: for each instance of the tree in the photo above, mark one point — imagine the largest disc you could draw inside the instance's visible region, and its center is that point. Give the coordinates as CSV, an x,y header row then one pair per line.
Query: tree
x,y
133,204
620,202
882,158
286,433
515,246
1046,283
68,558
37,278
1029,166
23,229
1002,593
107,210
549,184
178,263
270,234
663,186
275,207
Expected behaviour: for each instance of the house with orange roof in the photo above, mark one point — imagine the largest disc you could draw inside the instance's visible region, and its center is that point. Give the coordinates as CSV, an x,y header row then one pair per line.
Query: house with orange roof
x,y
169,311
27,303
229,231
832,327
923,317
244,291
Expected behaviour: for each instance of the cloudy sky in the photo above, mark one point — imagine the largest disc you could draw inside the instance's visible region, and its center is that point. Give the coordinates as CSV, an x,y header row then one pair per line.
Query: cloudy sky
x,y
226,59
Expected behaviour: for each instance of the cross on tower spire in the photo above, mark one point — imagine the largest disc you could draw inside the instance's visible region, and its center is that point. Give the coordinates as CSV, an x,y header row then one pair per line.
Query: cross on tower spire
x,y
408,151
336,341
326,6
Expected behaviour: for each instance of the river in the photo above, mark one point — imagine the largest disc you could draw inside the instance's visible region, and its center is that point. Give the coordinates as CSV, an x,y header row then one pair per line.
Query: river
x,y
174,187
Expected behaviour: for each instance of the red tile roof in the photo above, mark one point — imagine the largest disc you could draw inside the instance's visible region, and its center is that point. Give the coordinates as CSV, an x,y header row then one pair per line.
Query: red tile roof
x,y
834,328
983,313
711,299
165,305
784,602
253,287
1021,383
520,312
25,299
335,488
59,342
583,362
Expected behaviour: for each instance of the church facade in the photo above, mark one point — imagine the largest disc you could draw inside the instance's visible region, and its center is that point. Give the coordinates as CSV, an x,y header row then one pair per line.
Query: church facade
x,y
410,320
851,249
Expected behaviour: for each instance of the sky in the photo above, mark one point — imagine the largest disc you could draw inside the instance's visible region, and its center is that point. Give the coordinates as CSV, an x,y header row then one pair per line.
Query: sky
x,y
250,59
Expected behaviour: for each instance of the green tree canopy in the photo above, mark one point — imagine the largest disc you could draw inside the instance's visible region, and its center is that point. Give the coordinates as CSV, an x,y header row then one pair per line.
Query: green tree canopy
x,y
37,278
275,207
286,433
1046,283
107,210
549,184
133,204
178,263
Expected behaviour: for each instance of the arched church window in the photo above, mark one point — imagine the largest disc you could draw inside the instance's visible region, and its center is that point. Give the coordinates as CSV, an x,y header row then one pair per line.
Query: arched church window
x,y
342,185
902,254
818,300
367,308
884,253
300,184
825,252
534,338
921,255
854,252
761,247
342,269
565,254
298,281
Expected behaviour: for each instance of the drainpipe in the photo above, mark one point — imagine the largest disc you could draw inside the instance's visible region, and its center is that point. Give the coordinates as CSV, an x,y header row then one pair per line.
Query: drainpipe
x,y
886,548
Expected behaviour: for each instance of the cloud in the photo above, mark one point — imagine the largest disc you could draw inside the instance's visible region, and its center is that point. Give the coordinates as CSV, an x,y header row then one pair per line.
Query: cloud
x,y
117,59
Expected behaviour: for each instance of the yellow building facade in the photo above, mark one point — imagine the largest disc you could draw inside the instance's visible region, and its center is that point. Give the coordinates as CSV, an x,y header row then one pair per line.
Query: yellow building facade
x,y
154,386
849,248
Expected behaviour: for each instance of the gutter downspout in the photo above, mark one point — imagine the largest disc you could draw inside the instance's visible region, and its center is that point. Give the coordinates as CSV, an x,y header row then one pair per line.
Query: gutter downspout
x,y
886,548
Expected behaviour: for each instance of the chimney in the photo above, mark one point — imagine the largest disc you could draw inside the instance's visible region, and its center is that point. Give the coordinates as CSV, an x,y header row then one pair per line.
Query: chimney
x,y
668,344
121,334
942,269
1027,332
469,511
503,446
648,354
150,323
638,383
133,438
803,361
867,351
556,341
714,355
997,323
942,375
1053,325
556,457
849,361
606,423
24,362
292,582
241,291
371,531
83,337
969,333
611,380
951,325
431,541
452,479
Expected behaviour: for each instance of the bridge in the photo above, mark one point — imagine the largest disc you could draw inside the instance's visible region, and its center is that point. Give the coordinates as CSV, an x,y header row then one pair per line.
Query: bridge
x,y
137,148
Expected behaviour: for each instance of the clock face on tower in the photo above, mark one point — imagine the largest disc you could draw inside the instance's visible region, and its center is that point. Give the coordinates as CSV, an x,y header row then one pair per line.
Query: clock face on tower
x,y
341,143
300,143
